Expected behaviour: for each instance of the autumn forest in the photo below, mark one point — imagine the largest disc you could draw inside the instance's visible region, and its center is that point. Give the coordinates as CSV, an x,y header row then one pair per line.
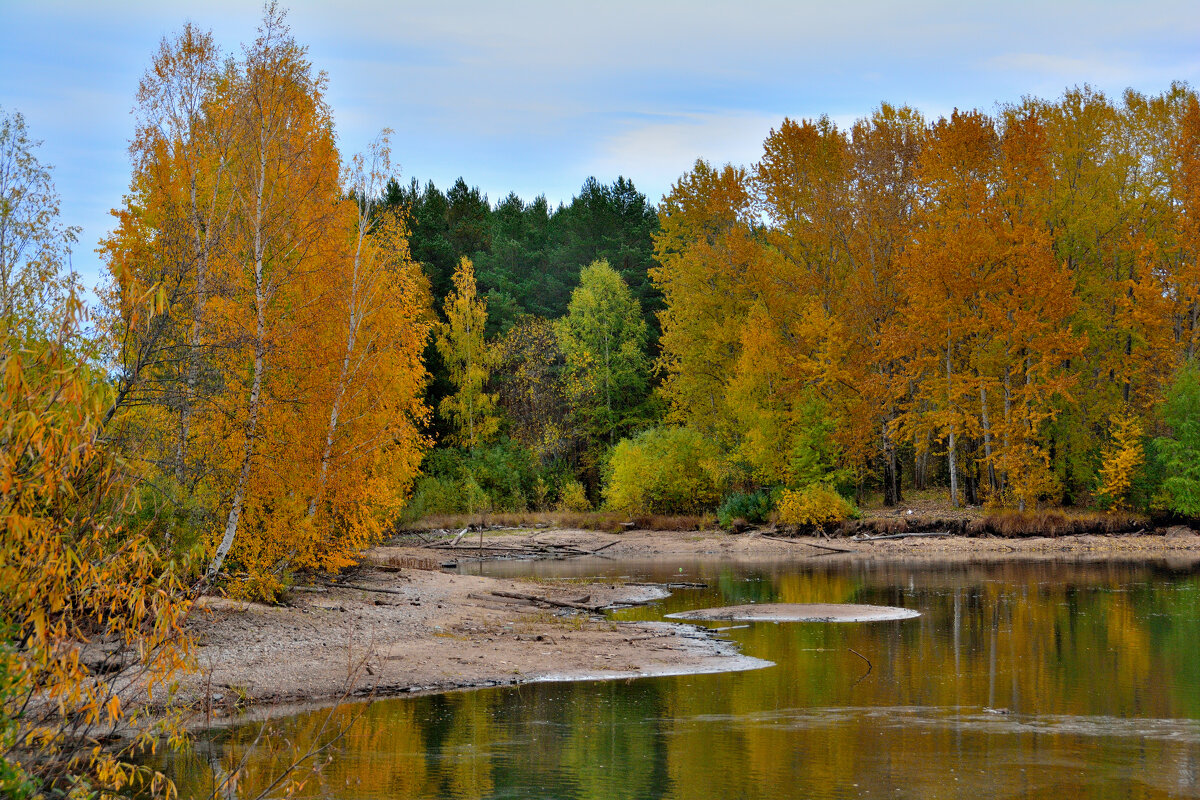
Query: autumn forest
x,y
296,351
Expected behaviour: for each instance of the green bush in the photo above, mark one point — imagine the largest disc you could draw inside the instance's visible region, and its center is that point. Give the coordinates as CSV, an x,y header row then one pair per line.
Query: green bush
x,y
500,477
433,495
753,507
663,471
1179,452
815,455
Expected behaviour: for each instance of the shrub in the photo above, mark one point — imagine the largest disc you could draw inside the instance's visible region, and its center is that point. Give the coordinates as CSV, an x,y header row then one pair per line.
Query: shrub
x,y
663,471
500,477
433,495
817,506
1122,461
1180,452
750,506
572,497
815,455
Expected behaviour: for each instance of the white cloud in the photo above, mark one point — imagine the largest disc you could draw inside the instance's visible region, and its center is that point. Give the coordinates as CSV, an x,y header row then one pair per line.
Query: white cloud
x,y
656,152
1053,71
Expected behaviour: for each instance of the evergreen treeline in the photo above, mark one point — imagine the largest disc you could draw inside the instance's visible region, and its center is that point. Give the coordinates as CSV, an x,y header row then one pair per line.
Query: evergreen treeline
x,y
526,261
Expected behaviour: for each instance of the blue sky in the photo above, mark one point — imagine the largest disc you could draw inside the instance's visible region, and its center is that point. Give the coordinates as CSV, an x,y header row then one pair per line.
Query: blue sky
x,y
534,97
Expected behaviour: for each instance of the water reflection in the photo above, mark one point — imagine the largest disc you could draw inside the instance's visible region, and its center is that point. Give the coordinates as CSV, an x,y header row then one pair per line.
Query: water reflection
x,y
1019,680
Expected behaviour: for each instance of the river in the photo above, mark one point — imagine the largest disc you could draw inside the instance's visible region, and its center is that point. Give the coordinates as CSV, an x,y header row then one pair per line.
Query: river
x,y
1020,679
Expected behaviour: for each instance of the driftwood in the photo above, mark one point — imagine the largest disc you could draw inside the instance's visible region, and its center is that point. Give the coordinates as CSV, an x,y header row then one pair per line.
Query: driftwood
x,y
900,536
672,585
533,549
489,598
533,598
361,588
808,544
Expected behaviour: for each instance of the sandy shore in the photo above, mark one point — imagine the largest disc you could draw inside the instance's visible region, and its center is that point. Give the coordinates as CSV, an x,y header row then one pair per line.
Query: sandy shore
x,y
383,631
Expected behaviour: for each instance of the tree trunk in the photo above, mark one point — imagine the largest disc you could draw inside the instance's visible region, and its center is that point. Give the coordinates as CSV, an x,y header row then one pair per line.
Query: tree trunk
x,y
950,454
353,319
891,473
987,440
260,334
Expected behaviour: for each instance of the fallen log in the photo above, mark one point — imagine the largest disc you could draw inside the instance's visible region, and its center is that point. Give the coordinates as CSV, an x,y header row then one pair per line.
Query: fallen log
x,y
901,536
809,544
474,596
560,603
361,588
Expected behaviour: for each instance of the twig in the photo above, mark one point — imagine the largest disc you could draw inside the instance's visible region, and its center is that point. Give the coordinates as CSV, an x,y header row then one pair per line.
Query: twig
x,y
862,677
474,596
870,666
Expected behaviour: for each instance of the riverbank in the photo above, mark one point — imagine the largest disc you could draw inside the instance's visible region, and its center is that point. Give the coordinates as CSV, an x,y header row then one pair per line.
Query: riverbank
x,y
402,623
383,631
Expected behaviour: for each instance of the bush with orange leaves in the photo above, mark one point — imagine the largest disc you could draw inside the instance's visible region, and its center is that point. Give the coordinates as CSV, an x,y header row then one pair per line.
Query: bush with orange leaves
x,y
91,615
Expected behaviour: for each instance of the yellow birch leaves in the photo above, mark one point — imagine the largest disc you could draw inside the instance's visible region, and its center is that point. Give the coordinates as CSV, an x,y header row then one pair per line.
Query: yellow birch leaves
x,y
983,291
465,354
278,381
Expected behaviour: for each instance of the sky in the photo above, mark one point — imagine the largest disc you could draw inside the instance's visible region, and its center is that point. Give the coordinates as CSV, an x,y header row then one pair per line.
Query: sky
x,y
534,97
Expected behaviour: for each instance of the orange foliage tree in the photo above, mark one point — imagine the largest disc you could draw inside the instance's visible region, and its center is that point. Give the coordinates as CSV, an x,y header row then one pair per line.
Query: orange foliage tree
x,y
91,613
278,383
979,295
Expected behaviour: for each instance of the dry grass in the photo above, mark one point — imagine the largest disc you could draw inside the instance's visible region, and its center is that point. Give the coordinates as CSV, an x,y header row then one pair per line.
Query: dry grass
x,y
1006,523
928,514
607,521
1057,522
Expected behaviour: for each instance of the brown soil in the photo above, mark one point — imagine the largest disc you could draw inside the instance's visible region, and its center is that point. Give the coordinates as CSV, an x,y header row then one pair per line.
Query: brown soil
x,y
385,632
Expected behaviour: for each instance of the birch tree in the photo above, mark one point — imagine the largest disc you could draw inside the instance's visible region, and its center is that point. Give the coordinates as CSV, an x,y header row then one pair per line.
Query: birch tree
x,y
285,175
603,339
460,341
35,276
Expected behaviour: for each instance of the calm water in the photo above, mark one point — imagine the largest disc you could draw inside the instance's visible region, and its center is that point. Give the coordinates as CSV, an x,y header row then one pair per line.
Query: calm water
x,y
1028,679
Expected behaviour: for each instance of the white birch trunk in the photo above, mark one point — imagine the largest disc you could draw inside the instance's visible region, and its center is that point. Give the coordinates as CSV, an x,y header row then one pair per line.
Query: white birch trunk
x,y
260,318
950,456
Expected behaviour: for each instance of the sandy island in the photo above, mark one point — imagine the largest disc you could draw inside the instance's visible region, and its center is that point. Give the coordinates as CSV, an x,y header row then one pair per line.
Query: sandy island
x,y
385,631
